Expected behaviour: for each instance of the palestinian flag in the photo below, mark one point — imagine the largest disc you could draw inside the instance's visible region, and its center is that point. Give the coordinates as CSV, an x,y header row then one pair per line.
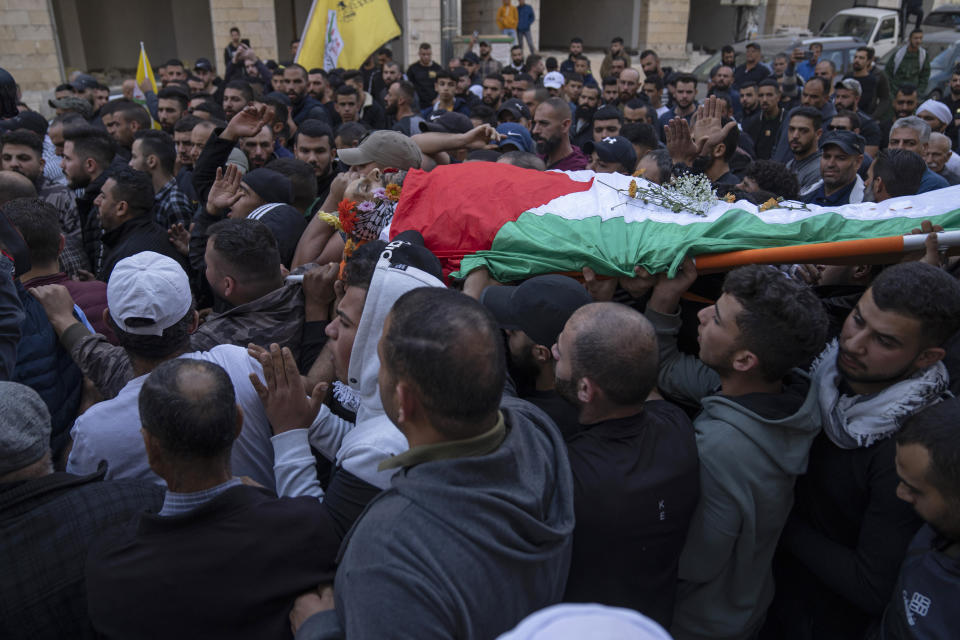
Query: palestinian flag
x,y
519,223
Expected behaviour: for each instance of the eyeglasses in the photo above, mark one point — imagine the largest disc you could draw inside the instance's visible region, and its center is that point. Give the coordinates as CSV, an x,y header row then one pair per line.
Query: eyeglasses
x,y
831,127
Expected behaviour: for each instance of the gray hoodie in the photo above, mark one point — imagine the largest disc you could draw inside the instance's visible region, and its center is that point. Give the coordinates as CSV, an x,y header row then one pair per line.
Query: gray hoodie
x,y
749,461
460,547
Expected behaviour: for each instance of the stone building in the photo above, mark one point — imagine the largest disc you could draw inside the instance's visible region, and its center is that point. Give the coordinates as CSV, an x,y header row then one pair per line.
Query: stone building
x,y
42,41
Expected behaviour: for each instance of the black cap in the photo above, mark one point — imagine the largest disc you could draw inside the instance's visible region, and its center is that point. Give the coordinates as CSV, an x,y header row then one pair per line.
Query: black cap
x,y
849,141
407,250
616,149
203,64
539,307
471,57
446,122
515,107
83,82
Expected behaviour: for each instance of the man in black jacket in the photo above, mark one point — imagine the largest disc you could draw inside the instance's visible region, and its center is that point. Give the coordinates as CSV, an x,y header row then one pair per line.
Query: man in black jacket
x,y
214,536
848,532
125,203
88,159
532,315
635,465
47,522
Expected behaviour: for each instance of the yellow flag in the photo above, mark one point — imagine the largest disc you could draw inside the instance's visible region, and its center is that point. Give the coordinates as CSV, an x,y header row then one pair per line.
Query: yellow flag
x,y
145,72
343,33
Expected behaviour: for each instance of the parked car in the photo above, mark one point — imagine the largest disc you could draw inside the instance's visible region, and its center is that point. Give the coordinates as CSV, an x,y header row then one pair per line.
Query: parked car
x,y
944,49
877,28
945,18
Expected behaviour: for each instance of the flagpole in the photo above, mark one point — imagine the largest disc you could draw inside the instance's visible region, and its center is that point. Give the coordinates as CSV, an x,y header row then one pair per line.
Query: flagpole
x,y
844,252
306,26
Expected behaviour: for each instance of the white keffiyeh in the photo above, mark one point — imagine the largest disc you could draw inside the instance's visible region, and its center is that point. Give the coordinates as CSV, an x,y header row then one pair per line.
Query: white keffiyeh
x,y
853,422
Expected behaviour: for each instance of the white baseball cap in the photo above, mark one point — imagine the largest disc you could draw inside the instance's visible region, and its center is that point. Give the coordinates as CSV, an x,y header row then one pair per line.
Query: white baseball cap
x,y
148,293
553,80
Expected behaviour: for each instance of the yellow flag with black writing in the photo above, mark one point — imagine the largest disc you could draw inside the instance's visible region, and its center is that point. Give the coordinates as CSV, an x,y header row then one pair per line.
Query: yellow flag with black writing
x,y
343,33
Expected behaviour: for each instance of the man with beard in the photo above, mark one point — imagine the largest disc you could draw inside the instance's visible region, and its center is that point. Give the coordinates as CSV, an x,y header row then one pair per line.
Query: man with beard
x,y
88,154
848,532
846,96
390,73
905,103
532,315
686,99
154,153
401,96
237,94
629,451
259,147
302,106
583,117
171,104
318,84
125,204
493,90
22,151
803,133
841,153
516,59
874,88
551,132
628,83
749,101
314,144
615,52
759,415
653,89
723,82
923,602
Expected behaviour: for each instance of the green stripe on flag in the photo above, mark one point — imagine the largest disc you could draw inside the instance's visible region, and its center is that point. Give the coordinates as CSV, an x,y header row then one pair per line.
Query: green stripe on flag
x,y
537,244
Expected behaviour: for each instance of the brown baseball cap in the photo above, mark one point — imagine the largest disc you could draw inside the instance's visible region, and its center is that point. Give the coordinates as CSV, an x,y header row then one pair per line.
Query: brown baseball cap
x,y
388,148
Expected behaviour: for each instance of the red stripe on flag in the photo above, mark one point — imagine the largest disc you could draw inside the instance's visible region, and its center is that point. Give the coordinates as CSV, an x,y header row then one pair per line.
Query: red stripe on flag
x,y
458,209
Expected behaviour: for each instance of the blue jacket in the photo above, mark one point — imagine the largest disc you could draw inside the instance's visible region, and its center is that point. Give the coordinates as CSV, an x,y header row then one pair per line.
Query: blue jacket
x,y
932,181
47,368
525,17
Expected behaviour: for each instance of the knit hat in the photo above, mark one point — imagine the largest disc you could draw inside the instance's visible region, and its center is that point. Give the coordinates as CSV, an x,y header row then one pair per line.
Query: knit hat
x,y
24,427
270,185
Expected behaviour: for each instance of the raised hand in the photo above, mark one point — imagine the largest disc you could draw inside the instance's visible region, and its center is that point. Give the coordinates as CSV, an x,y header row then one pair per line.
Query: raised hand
x,y
282,392
248,122
179,237
225,190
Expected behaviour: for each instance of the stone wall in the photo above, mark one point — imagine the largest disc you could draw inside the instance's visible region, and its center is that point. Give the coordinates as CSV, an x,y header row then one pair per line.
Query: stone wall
x,y
664,27
28,48
787,13
256,20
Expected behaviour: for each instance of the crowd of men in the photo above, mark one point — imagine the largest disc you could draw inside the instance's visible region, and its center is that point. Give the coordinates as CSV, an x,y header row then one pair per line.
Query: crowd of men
x,y
196,443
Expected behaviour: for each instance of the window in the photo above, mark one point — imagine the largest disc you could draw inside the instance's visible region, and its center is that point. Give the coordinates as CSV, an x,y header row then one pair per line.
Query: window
x,y
888,29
